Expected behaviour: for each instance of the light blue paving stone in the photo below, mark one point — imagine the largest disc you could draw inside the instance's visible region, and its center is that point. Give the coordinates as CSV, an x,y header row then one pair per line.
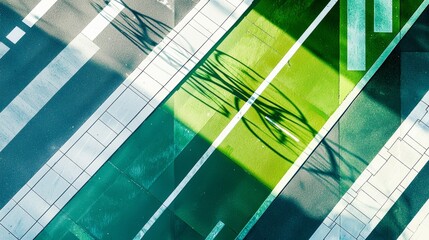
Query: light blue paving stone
x,y
356,36
383,16
18,222
84,151
51,186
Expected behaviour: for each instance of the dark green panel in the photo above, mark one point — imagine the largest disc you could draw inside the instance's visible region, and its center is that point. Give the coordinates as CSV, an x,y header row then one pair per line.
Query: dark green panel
x,y
220,191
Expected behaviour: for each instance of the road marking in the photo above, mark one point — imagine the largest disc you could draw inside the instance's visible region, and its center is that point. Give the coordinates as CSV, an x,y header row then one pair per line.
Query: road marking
x,y
236,119
331,122
54,76
356,40
383,16
282,129
3,49
103,19
38,11
43,87
215,231
15,35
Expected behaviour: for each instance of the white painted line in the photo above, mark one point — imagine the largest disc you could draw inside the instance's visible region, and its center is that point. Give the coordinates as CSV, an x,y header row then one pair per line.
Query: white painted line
x,y
282,129
332,121
215,231
15,35
43,87
3,49
418,228
38,11
103,19
100,114
236,119
54,76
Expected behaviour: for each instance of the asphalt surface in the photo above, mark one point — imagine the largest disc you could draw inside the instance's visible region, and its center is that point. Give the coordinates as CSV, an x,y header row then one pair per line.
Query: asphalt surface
x,y
123,45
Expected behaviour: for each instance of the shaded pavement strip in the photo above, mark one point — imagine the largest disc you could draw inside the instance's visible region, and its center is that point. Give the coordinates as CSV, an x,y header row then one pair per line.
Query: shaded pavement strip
x,y
333,167
85,146
235,120
403,211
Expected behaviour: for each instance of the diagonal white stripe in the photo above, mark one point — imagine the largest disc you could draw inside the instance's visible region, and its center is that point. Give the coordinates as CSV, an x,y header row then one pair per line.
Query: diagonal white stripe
x,y
236,119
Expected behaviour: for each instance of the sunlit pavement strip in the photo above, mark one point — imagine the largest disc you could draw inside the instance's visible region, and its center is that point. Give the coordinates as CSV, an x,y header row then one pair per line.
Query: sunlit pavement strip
x,y
53,77
37,203
38,11
20,219
17,33
384,180
331,122
418,228
43,87
235,119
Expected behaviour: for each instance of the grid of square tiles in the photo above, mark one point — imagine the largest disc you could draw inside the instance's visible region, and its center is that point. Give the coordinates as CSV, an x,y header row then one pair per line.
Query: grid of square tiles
x,y
35,205
383,181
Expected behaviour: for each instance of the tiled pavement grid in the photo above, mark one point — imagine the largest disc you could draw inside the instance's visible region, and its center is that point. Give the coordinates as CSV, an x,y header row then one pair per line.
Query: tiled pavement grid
x,y
41,198
383,181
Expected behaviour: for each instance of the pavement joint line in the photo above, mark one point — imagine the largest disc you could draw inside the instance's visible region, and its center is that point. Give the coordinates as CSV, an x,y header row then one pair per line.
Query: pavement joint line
x,y
235,120
335,117
399,176
101,156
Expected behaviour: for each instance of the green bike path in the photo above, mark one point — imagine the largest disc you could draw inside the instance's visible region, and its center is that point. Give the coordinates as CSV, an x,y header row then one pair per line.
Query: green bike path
x,y
241,173
357,137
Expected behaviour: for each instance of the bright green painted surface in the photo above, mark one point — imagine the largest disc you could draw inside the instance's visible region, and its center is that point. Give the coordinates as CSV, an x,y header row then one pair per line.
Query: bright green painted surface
x,y
237,178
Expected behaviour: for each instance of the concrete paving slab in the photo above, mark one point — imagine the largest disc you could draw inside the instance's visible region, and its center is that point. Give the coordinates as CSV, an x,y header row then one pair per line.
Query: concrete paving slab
x,y
18,222
85,150
32,233
50,187
102,133
67,169
126,106
6,235
34,205
217,11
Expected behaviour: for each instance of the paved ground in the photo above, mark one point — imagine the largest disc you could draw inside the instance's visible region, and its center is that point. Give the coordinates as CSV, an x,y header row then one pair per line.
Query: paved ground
x,y
79,98
172,181
391,95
